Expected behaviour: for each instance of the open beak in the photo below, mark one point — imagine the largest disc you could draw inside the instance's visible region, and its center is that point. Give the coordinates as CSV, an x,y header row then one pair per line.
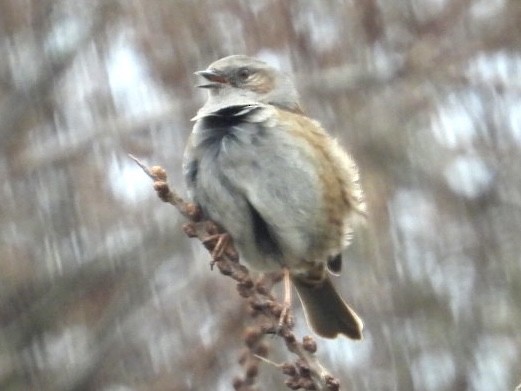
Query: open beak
x,y
216,79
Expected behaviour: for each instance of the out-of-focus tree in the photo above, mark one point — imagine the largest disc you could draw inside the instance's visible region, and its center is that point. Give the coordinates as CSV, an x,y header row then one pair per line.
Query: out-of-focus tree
x,y
100,289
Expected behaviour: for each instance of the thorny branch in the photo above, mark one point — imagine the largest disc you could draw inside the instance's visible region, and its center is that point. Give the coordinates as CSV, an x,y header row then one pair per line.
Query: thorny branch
x,y
306,372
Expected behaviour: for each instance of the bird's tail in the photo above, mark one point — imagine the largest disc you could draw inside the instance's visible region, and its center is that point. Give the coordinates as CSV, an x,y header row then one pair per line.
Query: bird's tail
x,y
326,312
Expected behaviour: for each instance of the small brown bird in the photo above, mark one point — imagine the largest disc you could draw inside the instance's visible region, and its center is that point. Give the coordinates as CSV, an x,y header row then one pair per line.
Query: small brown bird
x,y
283,189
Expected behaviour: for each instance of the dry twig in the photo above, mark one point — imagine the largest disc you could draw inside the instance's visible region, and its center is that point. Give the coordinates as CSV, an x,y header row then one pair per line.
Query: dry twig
x,y
306,372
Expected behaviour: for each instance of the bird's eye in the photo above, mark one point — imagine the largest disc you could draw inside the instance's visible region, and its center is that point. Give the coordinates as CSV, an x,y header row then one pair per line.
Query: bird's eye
x,y
243,73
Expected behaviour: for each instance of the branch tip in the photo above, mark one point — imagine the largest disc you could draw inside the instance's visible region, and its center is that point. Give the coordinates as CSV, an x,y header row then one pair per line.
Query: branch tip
x,y
142,165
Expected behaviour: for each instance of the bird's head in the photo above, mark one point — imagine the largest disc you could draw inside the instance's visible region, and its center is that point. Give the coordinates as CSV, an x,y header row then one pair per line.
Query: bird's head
x,y
238,77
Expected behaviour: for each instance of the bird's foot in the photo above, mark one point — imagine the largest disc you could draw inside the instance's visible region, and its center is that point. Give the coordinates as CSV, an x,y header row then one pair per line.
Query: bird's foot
x,y
218,244
285,314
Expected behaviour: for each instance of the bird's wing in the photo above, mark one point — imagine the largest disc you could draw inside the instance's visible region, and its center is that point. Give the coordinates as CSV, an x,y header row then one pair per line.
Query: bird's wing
x,y
274,171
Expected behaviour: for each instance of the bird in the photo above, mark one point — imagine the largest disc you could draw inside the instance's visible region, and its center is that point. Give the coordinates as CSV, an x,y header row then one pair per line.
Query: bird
x,y
274,180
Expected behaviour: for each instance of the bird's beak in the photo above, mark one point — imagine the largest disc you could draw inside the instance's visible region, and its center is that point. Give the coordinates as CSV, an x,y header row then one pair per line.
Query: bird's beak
x,y
215,77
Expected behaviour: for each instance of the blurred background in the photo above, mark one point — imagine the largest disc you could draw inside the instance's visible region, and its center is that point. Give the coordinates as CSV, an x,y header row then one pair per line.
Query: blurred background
x,y
101,290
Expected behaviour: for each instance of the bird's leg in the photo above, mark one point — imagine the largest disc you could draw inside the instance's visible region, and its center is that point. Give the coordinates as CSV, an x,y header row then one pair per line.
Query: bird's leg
x,y
222,240
286,305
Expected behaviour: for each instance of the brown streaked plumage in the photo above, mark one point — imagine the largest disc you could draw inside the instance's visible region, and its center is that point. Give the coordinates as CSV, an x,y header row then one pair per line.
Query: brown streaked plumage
x,y
274,179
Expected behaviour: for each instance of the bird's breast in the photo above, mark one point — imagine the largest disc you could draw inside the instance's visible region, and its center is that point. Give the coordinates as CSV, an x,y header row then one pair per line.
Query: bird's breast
x,y
226,130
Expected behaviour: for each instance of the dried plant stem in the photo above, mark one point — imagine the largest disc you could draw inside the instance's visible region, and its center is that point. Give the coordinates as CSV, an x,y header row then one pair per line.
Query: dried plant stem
x,y
306,372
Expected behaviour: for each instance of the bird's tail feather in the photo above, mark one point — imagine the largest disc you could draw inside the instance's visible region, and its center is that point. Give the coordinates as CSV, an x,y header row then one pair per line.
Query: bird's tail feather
x,y
326,312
